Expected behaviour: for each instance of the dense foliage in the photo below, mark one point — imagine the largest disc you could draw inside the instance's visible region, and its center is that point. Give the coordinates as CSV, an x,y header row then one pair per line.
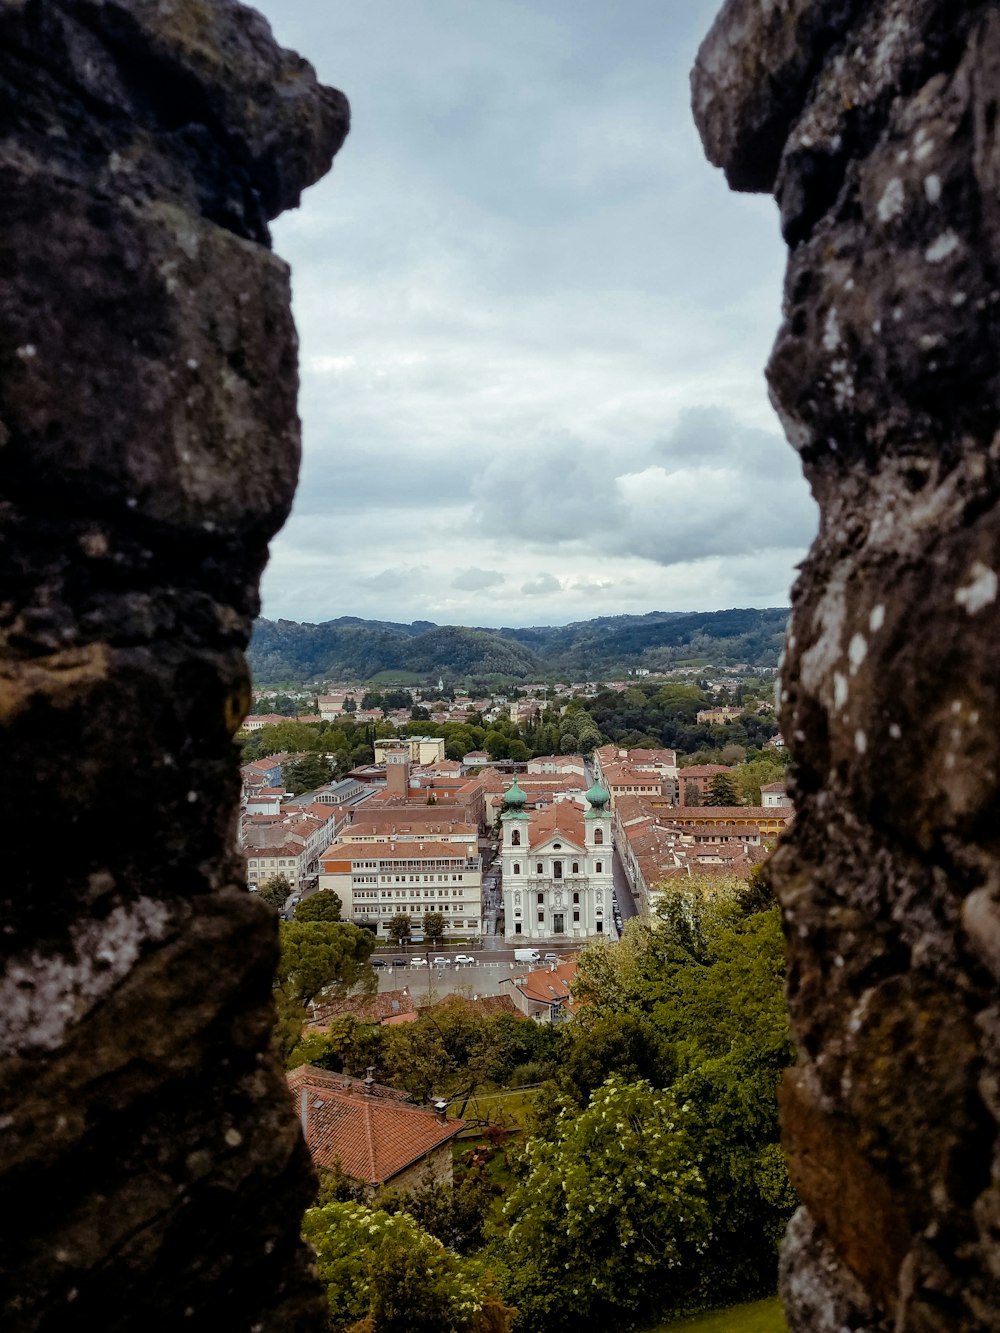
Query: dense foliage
x,y
651,1181
610,1217
385,1274
317,958
282,650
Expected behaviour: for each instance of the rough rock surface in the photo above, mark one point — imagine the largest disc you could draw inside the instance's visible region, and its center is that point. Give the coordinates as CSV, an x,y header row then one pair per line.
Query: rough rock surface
x,y
151,1172
877,127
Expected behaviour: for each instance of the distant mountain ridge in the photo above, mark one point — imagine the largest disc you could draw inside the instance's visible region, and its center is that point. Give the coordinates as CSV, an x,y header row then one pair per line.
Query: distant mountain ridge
x,y
286,652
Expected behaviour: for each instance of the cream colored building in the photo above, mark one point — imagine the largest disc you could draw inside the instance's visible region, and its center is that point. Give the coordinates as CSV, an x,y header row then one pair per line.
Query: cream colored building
x,y
423,749
376,881
557,869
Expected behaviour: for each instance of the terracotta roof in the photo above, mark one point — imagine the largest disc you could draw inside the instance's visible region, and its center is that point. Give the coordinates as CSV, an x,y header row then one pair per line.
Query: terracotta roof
x,y
702,771
564,817
547,985
388,850
774,786
364,1008
682,813
615,773
482,1004
398,823
371,1138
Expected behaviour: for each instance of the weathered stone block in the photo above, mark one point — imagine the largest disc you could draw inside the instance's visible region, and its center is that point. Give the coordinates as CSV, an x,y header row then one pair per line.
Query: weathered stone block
x,y
876,127
153,1174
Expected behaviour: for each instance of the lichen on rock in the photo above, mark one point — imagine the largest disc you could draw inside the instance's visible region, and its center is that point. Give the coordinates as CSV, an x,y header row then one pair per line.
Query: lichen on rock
x,y
153,1174
876,128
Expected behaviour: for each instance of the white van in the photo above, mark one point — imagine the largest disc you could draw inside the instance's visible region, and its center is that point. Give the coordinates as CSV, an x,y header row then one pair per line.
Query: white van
x,y
527,956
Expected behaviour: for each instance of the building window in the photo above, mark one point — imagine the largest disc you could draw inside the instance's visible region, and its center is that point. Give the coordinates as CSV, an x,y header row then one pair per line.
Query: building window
x,y
576,897
600,927
598,836
576,867
541,918
599,867
538,868
517,927
515,838
541,897
576,916
517,867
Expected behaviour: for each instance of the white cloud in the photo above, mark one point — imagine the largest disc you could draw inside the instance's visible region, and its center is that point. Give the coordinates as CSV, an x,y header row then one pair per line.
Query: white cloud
x,y
533,323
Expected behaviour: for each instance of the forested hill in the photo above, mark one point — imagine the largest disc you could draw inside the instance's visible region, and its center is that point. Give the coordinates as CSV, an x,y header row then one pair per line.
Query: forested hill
x,y
283,651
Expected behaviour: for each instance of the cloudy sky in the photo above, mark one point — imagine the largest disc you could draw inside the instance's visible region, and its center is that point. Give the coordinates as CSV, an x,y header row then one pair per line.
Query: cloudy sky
x,y
533,326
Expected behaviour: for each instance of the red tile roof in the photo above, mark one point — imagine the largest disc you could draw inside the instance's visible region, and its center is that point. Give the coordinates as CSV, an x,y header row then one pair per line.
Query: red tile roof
x,y
371,1138
564,817
365,1008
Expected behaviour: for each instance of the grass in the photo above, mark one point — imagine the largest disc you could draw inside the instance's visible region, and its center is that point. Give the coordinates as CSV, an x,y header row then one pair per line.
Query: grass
x,y
512,1109
756,1317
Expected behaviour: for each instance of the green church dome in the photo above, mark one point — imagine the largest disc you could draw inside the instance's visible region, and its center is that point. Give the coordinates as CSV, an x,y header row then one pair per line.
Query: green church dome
x,y
514,800
598,798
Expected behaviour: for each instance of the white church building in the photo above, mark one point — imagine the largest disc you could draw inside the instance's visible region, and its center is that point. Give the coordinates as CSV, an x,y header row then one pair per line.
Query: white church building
x,y
557,869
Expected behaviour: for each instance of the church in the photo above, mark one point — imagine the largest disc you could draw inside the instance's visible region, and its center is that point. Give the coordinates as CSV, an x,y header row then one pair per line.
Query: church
x,y
557,869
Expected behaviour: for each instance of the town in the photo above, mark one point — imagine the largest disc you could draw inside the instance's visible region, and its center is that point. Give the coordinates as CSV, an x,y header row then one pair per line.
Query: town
x,y
459,870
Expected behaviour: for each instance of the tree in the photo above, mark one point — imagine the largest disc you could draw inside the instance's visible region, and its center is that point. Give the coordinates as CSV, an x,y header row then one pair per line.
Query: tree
x,y
610,1215
275,891
722,791
695,997
306,774
350,706
692,796
434,927
399,929
322,906
317,957
387,1271
321,956
756,773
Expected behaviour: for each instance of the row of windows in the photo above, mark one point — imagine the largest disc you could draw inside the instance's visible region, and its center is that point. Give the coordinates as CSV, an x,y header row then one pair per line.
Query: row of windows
x,y
515,837
557,868
415,879
428,893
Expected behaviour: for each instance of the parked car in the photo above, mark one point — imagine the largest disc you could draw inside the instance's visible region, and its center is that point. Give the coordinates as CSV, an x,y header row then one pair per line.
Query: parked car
x,y
440,961
418,962
463,958
399,962
550,958
379,962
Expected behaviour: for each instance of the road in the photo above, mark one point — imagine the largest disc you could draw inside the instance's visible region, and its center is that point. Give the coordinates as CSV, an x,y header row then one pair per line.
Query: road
x,y
480,978
626,902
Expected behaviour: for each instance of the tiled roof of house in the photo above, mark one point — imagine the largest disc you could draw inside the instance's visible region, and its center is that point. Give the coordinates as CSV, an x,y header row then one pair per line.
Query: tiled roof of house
x,y
702,771
389,850
365,1008
774,786
547,985
729,813
630,773
563,817
371,1138
481,1004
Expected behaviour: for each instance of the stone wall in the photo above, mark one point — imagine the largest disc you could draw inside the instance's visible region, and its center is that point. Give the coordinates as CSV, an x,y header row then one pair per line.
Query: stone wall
x,y
151,1172
876,127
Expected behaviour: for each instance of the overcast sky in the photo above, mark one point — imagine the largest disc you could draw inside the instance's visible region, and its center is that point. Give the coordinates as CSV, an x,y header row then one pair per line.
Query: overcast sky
x,y
533,326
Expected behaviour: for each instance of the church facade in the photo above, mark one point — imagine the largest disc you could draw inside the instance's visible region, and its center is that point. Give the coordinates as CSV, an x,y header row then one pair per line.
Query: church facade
x,y
557,870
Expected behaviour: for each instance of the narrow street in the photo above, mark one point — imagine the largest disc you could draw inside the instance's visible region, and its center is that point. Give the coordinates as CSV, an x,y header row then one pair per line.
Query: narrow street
x,y
626,902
